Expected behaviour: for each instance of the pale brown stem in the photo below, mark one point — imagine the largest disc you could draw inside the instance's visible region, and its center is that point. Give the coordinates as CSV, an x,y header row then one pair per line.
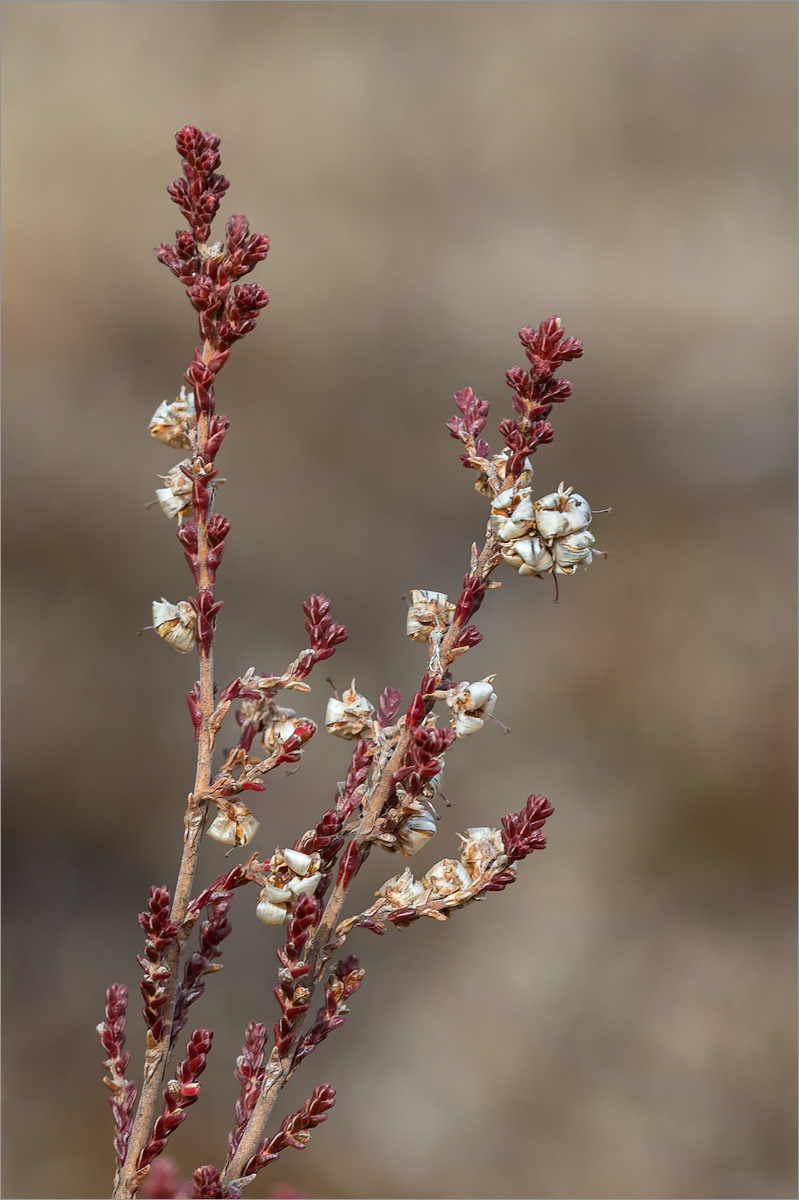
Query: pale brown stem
x,y
128,1177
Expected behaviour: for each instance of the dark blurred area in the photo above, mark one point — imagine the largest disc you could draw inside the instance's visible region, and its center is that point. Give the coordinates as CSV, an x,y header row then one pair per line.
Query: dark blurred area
x,y
620,1023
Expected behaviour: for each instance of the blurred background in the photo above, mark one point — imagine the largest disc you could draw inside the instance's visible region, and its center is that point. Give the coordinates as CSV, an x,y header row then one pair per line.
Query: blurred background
x,y
432,177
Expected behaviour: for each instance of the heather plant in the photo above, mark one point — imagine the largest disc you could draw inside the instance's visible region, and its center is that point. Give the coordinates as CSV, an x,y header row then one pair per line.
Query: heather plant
x,y
386,803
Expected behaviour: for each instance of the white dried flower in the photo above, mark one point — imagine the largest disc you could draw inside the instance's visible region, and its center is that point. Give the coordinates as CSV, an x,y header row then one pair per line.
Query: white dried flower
x,y
569,552
430,612
446,877
236,827
402,891
470,704
528,555
481,847
350,716
415,833
562,512
270,913
512,514
281,724
304,887
175,421
301,864
175,496
278,895
175,623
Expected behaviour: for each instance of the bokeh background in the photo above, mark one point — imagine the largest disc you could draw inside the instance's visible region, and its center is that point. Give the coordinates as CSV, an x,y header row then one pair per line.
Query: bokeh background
x,y
433,176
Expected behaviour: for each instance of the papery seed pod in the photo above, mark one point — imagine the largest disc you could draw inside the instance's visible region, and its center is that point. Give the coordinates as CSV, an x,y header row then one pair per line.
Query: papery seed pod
x,y
236,827
512,514
304,887
402,891
175,623
175,496
570,552
446,877
278,895
350,716
562,512
174,422
481,847
415,833
470,704
529,556
299,863
280,728
465,724
429,612
271,914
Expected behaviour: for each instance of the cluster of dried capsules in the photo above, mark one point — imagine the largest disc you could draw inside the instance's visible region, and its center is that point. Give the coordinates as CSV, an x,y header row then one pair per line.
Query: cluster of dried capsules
x,y
387,798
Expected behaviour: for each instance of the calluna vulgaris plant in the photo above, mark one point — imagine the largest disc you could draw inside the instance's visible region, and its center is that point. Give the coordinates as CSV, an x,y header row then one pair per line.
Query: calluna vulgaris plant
x,y
386,800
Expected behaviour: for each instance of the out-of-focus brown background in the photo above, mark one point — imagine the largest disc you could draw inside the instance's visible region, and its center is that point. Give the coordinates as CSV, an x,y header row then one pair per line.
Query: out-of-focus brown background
x,y
432,176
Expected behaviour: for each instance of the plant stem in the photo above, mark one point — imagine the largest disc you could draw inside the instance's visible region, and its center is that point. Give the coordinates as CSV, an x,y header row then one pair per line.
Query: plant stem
x,y
157,1056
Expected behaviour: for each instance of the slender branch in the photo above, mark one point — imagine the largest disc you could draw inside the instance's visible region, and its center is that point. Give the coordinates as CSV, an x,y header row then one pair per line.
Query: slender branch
x,y
321,945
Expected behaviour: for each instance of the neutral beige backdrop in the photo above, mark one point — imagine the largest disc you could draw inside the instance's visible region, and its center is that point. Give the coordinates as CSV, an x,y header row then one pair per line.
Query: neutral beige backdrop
x,y
433,176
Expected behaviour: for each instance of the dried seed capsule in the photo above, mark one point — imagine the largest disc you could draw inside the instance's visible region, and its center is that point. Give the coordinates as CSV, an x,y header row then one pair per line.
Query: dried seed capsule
x,y
430,612
299,863
481,847
237,827
271,914
175,496
569,552
278,895
512,514
402,891
528,555
470,704
304,887
175,422
415,833
446,877
350,716
175,623
562,512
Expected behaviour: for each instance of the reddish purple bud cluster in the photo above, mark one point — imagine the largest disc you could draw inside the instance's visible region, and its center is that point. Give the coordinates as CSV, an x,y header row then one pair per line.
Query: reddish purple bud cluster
x,y
233,878
250,1074
206,1183
534,393
326,839
179,1094
212,933
294,1130
345,980
199,193
472,423
425,747
470,599
388,706
535,390
350,863
206,609
293,998
468,638
322,630
521,832
123,1091
160,932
